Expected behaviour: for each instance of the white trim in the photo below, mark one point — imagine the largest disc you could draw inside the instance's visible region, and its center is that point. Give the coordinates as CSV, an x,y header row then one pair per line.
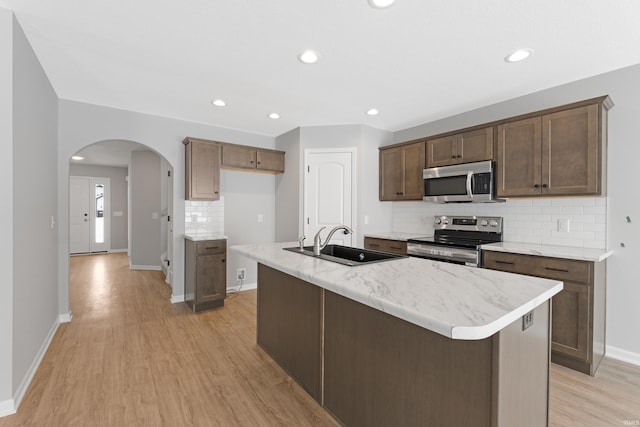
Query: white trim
x,y
113,251
7,407
176,299
623,355
65,317
245,287
146,267
24,385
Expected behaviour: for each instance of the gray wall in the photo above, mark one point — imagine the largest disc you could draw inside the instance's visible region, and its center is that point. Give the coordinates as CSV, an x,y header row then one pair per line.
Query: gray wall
x,y
35,203
118,191
6,215
145,203
623,292
289,191
83,124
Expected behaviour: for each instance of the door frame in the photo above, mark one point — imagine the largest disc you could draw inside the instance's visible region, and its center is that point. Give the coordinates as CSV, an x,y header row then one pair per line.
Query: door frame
x,y
354,194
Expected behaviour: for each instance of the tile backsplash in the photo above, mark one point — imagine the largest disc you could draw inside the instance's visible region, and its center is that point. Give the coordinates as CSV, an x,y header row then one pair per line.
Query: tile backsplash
x,y
204,217
527,220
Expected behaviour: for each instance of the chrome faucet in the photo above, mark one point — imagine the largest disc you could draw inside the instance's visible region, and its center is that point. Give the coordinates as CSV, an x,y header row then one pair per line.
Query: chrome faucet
x,y
317,243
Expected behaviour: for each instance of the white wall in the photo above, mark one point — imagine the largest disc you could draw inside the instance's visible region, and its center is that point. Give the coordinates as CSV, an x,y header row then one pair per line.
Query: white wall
x,y
6,215
82,124
623,292
35,204
118,195
145,248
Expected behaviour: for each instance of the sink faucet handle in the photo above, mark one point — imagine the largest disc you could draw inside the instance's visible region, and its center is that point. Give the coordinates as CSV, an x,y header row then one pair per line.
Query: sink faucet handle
x,y
301,241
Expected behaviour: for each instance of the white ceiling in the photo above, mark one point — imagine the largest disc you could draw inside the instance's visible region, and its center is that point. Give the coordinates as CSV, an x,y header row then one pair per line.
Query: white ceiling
x,y
416,61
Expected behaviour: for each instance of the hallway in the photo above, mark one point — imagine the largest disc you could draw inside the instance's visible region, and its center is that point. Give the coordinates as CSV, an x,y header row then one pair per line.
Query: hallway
x,y
129,358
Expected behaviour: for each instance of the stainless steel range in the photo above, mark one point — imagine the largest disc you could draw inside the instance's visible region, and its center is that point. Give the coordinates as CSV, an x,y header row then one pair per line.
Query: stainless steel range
x,y
457,239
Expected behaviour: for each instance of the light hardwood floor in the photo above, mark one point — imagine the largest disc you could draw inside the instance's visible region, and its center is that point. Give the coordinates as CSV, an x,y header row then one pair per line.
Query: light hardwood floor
x,y
129,358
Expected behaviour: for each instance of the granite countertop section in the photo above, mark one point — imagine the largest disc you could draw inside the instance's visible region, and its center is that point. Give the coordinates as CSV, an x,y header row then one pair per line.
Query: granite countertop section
x,y
198,237
568,252
399,236
452,300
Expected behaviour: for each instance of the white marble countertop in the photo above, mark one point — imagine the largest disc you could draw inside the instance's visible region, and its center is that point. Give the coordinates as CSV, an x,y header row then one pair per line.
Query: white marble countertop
x,y
198,237
568,252
455,301
400,236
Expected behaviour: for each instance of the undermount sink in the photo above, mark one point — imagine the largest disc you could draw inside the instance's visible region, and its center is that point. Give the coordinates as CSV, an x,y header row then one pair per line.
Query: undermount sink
x,y
347,255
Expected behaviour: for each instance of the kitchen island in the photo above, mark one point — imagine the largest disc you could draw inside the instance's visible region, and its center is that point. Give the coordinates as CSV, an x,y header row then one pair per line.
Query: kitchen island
x,y
407,341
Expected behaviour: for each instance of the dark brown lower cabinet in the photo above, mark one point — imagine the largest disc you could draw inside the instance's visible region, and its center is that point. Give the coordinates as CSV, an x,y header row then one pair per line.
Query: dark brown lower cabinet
x,y
368,368
578,311
386,245
205,274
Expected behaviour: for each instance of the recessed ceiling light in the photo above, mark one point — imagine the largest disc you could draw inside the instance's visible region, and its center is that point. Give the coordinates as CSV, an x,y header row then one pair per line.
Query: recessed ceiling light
x,y
308,57
219,103
77,158
518,55
373,112
274,116
380,4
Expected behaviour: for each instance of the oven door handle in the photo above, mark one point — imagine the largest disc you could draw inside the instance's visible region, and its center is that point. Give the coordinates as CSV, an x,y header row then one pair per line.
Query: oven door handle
x,y
469,190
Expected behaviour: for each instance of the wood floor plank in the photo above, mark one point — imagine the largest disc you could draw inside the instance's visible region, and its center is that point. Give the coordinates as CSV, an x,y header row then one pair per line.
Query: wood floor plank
x,y
130,358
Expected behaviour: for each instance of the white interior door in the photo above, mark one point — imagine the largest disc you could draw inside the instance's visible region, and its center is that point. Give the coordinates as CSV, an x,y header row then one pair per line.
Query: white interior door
x,y
329,193
89,215
169,277
79,224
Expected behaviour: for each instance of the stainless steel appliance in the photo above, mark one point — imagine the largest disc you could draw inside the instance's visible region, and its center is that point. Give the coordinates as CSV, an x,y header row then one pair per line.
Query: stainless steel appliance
x,y
468,182
457,239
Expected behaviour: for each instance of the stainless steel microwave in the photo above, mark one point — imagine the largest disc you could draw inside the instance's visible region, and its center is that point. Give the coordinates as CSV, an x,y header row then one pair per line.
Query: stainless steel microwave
x,y
469,182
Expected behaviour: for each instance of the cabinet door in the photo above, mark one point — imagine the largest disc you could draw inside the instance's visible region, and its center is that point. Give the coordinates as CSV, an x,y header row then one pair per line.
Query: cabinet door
x,y
570,321
475,146
211,282
518,166
385,245
412,183
202,166
236,156
442,151
270,160
390,186
570,152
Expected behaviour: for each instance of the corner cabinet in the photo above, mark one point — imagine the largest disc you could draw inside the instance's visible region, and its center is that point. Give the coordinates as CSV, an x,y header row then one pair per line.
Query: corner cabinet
x,y
202,170
400,175
560,153
259,159
205,274
578,311
466,147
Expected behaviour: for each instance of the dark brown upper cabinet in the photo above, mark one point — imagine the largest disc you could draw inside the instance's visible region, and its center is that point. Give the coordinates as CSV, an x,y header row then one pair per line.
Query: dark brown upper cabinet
x,y
259,159
561,153
202,170
401,172
467,147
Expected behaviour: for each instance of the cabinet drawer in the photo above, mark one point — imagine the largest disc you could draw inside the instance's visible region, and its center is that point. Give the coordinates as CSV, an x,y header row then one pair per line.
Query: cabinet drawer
x,y
550,268
210,247
386,245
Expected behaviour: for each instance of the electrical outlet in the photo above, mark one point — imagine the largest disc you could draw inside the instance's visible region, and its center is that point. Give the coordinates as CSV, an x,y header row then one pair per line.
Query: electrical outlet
x,y
241,273
527,320
563,225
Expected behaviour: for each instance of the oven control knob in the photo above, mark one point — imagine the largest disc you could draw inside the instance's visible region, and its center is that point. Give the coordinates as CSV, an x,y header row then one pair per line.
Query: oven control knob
x,y
445,221
438,221
484,223
493,223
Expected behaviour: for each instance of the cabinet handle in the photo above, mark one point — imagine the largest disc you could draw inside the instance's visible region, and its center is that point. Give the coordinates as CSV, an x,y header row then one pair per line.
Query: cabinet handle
x,y
258,162
536,185
375,245
544,185
399,194
505,262
395,247
459,156
453,157
561,270
212,247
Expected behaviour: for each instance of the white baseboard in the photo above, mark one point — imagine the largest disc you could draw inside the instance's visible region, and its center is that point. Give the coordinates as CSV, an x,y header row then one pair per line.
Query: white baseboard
x,y
176,299
115,251
24,385
146,267
7,407
245,287
65,318
623,355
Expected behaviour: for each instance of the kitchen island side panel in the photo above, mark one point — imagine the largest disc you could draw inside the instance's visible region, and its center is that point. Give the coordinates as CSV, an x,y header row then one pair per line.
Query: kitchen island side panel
x,y
380,371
